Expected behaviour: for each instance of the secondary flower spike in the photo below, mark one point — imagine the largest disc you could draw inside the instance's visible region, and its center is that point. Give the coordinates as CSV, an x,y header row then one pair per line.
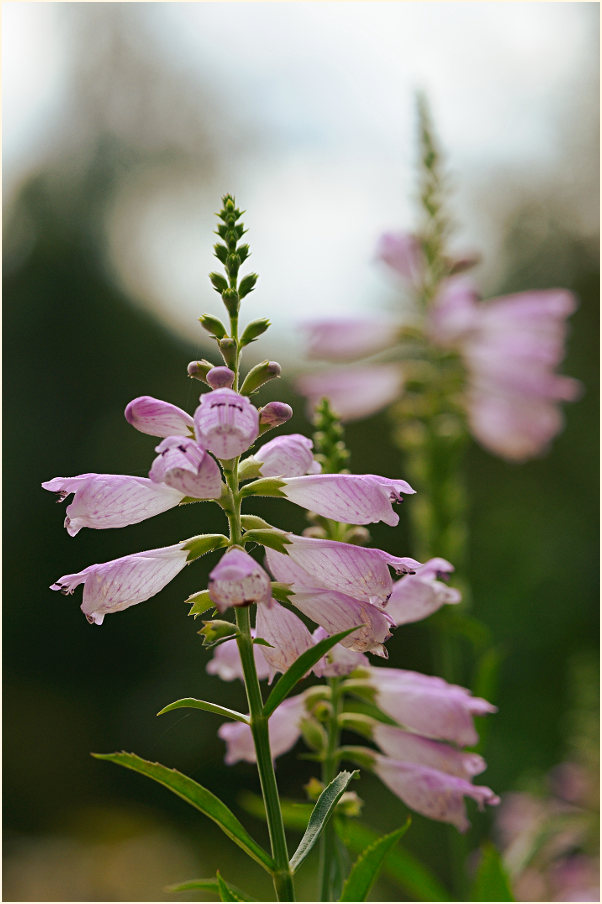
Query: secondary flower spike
x,y
287,456
103,501
158,418
238,580
226,423
350,498
183,464
116,585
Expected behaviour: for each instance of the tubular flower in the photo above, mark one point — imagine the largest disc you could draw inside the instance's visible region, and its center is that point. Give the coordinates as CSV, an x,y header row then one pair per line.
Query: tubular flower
x,y
183,464
226,663
238,580
431,792
339,660
157,418
111,500
283,728
349,338
403,253
287,456
355,392
274,414
226,423
428,705
414,748
116,585
350,498
286,633
416,596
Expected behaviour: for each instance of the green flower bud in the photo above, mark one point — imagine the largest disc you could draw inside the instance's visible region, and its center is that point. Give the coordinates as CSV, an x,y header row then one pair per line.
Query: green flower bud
x,y
243,252
221,252
213,326
247,284
259,375
227,347
216,629
313,734
219,282
232,301
253,330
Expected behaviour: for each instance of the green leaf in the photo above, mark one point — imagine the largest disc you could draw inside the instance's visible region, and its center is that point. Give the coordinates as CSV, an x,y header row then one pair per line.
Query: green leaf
x,y
210,885
399,865
198,546
193,703
367,866
320,815
275,539
299,668
491,881
227,892
198,797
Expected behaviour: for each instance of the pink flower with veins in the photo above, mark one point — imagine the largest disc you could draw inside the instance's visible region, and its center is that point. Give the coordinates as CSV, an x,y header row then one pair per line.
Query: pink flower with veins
x,y
286,633
283,730
354,392
287,456
226,423
339,660
416,596
350,498
104,501
158,418
238,580
414,748
226,664
116,585
183,464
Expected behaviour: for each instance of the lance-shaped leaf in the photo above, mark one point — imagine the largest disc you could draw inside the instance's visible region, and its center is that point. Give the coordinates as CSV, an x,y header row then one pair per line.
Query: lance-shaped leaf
x,y
211,885
299,668
275,539
193,703
198,546
227,892
491,882
281,591
366,868
321,813
198,797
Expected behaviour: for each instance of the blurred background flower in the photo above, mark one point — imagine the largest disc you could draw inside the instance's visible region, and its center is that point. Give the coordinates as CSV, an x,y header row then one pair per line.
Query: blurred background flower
x,y
123,126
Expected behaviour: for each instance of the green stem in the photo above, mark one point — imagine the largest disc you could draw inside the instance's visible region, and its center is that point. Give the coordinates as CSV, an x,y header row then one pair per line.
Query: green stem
x,y
329,769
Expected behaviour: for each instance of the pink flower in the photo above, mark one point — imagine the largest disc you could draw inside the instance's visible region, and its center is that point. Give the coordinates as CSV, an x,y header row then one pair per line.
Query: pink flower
x,y
226,423
283,730
286,633
116,585
414,748
354,392
350,498
238,580
339,660
349,338
416,596
287,456
428,705
111,500
226,663
402,252
183,464
431,792
158,418
354,570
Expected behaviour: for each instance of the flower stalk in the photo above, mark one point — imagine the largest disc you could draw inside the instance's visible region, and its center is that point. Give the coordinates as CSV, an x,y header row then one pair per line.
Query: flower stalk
x,y
329,770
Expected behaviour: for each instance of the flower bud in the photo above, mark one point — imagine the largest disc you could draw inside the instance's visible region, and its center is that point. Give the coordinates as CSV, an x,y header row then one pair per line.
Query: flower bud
x,y
259,375
220,378
231,300
227,348
273,415
213,326
247,284
253,330
199,369
219,282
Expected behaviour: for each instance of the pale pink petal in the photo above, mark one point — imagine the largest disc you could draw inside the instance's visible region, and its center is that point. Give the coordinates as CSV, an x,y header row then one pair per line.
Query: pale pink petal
x,y
433,793
354,392
414,748
349,338
226,423
111,500
337,612
283,730
116,585
350,498
287,456
158,418
183,464
339,660
416,596
514,428
238,580
403,253
285,632
454,314
226,664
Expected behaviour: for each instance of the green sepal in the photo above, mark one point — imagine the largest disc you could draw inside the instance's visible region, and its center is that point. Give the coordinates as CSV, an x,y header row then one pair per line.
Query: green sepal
x,y
200,798
243,252
263,642
299,669
254,522
202,544
254,330
313,734
213,326
491,882
259,375
275,539
363,756
193,703
358,722
219,282
265,486
366,868
201,601
250,469
215,629
320,815
202,369
281,592
247,284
